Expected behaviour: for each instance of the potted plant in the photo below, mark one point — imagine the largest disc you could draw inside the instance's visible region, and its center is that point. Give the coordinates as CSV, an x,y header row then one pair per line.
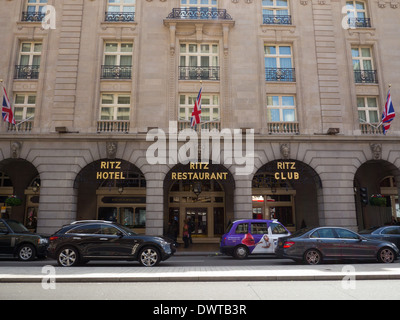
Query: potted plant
x,y
13,201
377,200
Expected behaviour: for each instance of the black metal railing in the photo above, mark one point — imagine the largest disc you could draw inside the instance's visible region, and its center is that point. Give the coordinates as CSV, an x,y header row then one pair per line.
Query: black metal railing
x,y
365,76
199,73
359,22
26,72
116,72
33,16
277,19
120,17
280,74
199,13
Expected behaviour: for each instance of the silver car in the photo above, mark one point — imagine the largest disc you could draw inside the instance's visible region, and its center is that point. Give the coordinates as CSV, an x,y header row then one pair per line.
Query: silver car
x,y
313,246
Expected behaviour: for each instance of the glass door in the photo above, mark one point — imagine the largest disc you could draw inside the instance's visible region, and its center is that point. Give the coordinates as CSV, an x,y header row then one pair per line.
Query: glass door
x,y
199,218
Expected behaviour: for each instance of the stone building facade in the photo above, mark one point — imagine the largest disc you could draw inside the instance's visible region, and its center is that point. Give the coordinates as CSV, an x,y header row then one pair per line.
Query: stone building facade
x,y
309,76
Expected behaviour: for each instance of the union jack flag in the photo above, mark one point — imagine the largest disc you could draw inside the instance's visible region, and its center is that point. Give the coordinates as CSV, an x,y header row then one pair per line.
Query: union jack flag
x,y
196,114
6,110
388,114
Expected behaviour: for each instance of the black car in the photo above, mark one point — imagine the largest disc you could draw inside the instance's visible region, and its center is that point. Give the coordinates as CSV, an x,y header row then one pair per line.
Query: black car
x,y
16,240
82,241
312,246
387,233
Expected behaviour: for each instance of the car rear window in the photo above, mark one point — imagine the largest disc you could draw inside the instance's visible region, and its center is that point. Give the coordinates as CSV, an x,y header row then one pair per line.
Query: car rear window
x,y
86,229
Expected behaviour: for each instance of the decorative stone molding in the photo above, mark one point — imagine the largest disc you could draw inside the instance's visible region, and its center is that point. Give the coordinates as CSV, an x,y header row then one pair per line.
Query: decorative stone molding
x,y
15,149
285,150
376,151
111,149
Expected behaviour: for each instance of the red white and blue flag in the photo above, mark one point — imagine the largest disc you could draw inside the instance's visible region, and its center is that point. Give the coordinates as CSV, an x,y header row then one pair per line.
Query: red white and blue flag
x,y
196,114
6,109
388,114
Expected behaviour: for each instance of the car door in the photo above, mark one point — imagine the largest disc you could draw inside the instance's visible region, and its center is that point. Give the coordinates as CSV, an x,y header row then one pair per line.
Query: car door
x,y
115,243
5,239
391,234
87,239
327,242
353,246
262,238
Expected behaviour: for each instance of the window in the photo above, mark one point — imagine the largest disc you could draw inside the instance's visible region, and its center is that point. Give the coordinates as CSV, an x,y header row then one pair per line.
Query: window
x,y
3,228
210,111
367,110
277,228
110,230
121,10
86,229
391,230
36,5
357,14
278,63
281,109
259,228
29,60
117,60
198,61
35,11
199,3
242,228
325,233
276,12
346,234
24,106
363,65
115,107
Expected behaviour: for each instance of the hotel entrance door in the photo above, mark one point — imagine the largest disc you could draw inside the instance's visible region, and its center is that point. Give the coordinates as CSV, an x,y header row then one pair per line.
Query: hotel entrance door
x,y
198,216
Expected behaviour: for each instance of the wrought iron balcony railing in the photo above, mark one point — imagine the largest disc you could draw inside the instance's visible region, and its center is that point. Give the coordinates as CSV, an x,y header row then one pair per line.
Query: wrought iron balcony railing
x,y
113,126
26,72
277,19
280,74
33,16
199,13
365,76
116,72
120,17
198,73
359,22
210,125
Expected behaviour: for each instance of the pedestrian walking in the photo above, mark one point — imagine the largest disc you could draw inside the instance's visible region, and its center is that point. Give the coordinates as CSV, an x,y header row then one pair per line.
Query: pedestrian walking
x,y
186,233
191,229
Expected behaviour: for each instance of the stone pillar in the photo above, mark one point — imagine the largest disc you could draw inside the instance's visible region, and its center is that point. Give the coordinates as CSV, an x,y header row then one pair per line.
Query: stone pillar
x,y
242,198
154,204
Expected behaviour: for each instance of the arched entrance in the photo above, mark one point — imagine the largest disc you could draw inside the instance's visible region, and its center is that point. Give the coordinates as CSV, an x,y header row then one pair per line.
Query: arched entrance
x,y
287,190
376,179
112,190
202,193
21,179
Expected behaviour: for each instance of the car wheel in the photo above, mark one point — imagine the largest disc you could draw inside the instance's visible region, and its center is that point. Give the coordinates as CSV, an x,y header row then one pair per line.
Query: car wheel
x,y
26,252
386,255
312,257
68,257
241,252
149,257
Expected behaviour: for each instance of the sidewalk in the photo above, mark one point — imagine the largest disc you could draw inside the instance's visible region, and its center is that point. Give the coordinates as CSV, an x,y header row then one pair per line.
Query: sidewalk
x,y
135,273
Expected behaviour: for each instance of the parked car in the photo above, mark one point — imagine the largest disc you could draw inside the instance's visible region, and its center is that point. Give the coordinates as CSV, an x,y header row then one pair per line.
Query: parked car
x,y
82,241
387,233
313,246
245,237
16,240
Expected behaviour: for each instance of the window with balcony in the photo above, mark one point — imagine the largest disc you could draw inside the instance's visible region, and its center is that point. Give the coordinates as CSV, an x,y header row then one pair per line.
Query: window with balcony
x,y
276,12
199,61
357,14
115,112
35,11
199,9
363,65
24,111
120,10
29,61
281,114
279,63
210,111
368,115
117,60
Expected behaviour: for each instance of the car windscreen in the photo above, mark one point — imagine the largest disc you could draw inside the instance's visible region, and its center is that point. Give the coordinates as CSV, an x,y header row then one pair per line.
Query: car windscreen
x,y
17,227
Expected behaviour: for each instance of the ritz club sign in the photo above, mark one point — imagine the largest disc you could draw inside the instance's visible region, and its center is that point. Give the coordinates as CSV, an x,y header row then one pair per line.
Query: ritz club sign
x,y
286,170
